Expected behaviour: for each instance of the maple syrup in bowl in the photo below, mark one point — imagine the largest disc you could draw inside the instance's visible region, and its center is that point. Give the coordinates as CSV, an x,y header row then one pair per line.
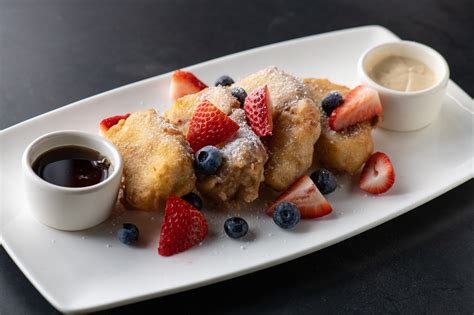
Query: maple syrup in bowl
x,y
72,166
71,179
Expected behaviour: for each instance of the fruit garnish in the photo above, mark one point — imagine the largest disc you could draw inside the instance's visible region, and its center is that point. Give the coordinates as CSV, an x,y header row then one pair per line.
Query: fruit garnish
x,y
305,195
183,227
361,104
331,101
236,227
324,180
194,200
209,126
239,93
128,233
184,83
224,80
378,174
286,215
109,122
208,160
258,109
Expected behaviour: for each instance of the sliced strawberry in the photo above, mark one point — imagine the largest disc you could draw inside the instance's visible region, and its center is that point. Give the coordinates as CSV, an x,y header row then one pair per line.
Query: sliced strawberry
x,y
209,126
258,110
109,122
306,196
184,83
183,227
378,174
361,104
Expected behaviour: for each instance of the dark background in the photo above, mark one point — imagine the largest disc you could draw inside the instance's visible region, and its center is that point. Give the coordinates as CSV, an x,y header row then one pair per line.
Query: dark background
x,y
53,53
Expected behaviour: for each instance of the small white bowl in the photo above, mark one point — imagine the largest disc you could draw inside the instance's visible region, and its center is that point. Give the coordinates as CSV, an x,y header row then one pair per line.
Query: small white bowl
x,y
407,111
67,208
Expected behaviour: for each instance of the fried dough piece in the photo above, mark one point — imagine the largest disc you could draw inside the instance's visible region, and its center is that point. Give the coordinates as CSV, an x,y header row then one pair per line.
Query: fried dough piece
x,y
284,88
183,109
344,151
296,126
239,177
295,131
157,159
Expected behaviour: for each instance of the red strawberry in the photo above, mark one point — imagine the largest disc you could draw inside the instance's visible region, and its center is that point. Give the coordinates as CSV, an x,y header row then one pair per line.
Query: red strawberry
x,y
183,227
306,196
361,104
378,174
258,109
109,122
184,83
209,126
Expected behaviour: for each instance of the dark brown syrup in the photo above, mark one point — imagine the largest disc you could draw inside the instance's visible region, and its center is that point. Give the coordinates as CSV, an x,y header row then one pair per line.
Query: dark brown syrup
x,y
72,166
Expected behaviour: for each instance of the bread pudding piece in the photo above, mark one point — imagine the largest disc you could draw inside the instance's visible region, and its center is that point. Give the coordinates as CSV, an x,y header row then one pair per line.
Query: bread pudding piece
x,y
241,172
157,159
346,150
296,126
284,88
182,111
295,131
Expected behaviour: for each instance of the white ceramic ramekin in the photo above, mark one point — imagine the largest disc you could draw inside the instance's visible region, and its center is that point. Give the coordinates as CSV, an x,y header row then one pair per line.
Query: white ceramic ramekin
x,y
67,208
407,111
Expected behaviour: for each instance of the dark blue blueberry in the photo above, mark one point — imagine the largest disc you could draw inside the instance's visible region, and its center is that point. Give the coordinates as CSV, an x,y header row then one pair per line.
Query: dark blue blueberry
x,y
208,160
236,227
194,200
224,80
324,180
240,94
331,101
128,233
286,215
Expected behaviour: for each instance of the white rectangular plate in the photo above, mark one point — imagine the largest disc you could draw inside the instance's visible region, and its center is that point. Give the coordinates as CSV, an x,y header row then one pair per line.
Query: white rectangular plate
x,y
85,271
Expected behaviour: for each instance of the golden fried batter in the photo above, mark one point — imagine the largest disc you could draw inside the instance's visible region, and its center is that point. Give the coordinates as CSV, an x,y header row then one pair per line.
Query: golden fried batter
x,y
296,126
295,131
182,111
239,177
346,150
157,159
284,88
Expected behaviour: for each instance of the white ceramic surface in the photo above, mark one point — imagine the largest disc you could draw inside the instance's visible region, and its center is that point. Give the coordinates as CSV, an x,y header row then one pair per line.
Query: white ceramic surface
x,y
67,208
85,271
407,111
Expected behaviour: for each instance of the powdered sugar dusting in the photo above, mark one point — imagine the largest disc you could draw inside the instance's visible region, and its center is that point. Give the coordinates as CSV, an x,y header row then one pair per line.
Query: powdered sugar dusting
x,y
244,140
285,89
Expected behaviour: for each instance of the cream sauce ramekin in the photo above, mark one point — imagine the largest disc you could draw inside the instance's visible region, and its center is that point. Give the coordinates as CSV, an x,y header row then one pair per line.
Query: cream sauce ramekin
x,y
407,111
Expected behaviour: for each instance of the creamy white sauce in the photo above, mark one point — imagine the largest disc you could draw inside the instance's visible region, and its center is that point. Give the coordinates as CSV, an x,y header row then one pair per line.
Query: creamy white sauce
x,y
402,74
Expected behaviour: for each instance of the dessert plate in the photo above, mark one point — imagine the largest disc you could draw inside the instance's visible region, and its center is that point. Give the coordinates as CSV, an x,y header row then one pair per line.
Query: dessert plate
x,y
87,270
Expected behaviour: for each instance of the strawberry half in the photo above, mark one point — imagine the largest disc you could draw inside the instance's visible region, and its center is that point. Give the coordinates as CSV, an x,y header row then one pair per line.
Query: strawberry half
x,y
361,104
109,122
183,227
184,83
258,110
378,174
306,196
209,126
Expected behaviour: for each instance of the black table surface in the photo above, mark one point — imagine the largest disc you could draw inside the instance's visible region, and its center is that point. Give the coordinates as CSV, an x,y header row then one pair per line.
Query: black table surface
x,y
53,53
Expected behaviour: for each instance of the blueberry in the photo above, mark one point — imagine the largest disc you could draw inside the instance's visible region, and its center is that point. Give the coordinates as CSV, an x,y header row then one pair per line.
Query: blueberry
x,y
128,234
208,160
224,80
286,215
324,180
236,227
240,94
194,200
331,101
